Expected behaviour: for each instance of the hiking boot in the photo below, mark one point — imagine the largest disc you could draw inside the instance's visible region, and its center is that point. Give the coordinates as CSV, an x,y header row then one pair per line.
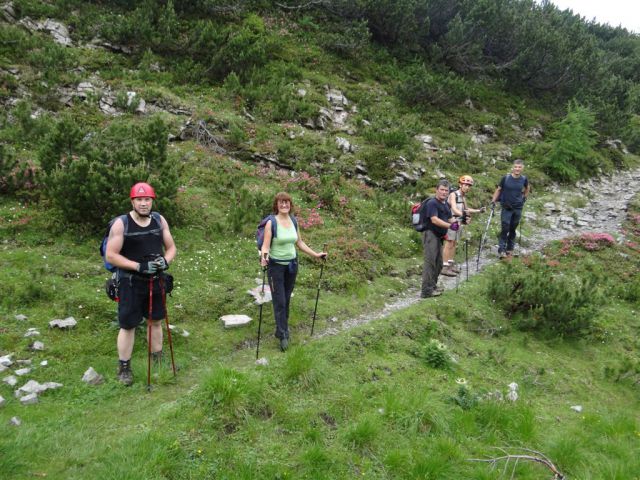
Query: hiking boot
x,y
439,288
502,255
509,253
125,375
434,293
157,357
284,344
454,268
447,272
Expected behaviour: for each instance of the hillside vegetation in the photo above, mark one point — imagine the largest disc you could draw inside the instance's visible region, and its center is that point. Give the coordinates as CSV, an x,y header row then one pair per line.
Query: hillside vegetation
x,y
356,108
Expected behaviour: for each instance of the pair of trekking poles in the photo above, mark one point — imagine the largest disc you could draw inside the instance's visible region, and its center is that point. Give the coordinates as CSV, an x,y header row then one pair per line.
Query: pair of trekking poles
x,y
315,309
149,322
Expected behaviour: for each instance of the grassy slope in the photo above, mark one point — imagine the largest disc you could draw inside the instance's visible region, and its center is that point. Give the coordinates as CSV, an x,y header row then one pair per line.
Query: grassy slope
x,y
362,404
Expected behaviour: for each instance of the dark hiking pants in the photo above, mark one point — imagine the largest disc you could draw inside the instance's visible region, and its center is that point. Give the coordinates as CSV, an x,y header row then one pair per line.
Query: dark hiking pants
x,y
282,279
510,220
432,246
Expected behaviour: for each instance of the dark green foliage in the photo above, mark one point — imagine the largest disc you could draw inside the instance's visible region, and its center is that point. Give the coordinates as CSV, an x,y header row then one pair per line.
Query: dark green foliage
x,y
271,92
631,134
202,49
8,165
542,299
572,140
419,86
630,290
525,44
88,175
15,177
246,209
349,39
34,8
378,161
21,127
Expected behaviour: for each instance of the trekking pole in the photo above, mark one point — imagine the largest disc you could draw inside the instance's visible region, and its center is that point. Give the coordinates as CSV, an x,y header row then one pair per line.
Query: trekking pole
x,y
484,236
264,272
520,232
457,281
149,334
466,256
166,317
315,309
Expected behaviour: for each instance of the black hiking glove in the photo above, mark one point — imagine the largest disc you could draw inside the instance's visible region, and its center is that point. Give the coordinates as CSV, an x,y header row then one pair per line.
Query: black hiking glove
x,y
148,268
162,264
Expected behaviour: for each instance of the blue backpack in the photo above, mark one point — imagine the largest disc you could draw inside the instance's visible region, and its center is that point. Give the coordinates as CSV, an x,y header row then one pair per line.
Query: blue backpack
x,y
274,229
125,221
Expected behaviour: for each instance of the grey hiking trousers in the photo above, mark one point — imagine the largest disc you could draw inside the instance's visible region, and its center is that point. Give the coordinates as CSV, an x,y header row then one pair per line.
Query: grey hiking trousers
x,y
432,246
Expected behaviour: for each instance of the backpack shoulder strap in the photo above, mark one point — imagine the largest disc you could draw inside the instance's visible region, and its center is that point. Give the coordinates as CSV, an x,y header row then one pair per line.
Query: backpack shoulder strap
x,y
295,221
158,218
503,181
125,222
274,225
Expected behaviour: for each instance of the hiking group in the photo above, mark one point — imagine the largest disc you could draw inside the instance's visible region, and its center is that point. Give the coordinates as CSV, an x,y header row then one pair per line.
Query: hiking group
x,y
442,218
139,248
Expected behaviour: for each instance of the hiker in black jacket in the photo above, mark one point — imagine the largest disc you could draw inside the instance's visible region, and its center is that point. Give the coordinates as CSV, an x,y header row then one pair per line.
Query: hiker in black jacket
x,y
438,219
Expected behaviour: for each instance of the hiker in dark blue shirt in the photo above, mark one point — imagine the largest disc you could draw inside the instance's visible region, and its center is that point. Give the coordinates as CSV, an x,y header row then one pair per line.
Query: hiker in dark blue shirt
x,y
512,192
438,219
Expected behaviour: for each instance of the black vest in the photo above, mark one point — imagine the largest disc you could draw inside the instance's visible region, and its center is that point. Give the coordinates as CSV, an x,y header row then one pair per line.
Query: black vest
x,y
142,244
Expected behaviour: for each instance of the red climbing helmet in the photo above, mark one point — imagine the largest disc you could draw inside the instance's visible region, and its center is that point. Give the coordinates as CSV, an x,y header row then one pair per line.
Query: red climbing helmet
x,y
142,189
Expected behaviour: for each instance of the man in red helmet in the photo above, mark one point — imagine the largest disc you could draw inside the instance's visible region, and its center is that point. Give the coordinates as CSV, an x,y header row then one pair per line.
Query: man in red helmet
x,y
140,250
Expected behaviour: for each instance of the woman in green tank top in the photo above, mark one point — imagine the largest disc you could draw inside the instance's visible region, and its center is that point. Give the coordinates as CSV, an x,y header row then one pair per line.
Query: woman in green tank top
x,y
279,255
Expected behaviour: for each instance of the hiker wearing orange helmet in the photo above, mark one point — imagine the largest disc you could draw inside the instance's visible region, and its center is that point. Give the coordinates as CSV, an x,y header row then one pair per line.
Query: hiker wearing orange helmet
x,y
141,247
458,203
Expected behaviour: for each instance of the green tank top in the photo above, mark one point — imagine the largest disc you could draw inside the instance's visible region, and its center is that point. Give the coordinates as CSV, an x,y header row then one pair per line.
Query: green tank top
x,y
283,245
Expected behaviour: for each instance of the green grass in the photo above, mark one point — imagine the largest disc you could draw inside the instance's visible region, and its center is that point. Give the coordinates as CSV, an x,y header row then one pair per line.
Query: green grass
x,y
363,403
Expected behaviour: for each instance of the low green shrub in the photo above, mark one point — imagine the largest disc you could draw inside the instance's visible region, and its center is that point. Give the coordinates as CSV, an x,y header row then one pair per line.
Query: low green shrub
x,y
436,354
631,134
421,87
349,39
541,297
16,178
465,398
87,175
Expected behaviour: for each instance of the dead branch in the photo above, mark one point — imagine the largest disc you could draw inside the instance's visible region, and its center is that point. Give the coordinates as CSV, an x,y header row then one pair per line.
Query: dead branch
x,y
199,131
532,456
208,139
